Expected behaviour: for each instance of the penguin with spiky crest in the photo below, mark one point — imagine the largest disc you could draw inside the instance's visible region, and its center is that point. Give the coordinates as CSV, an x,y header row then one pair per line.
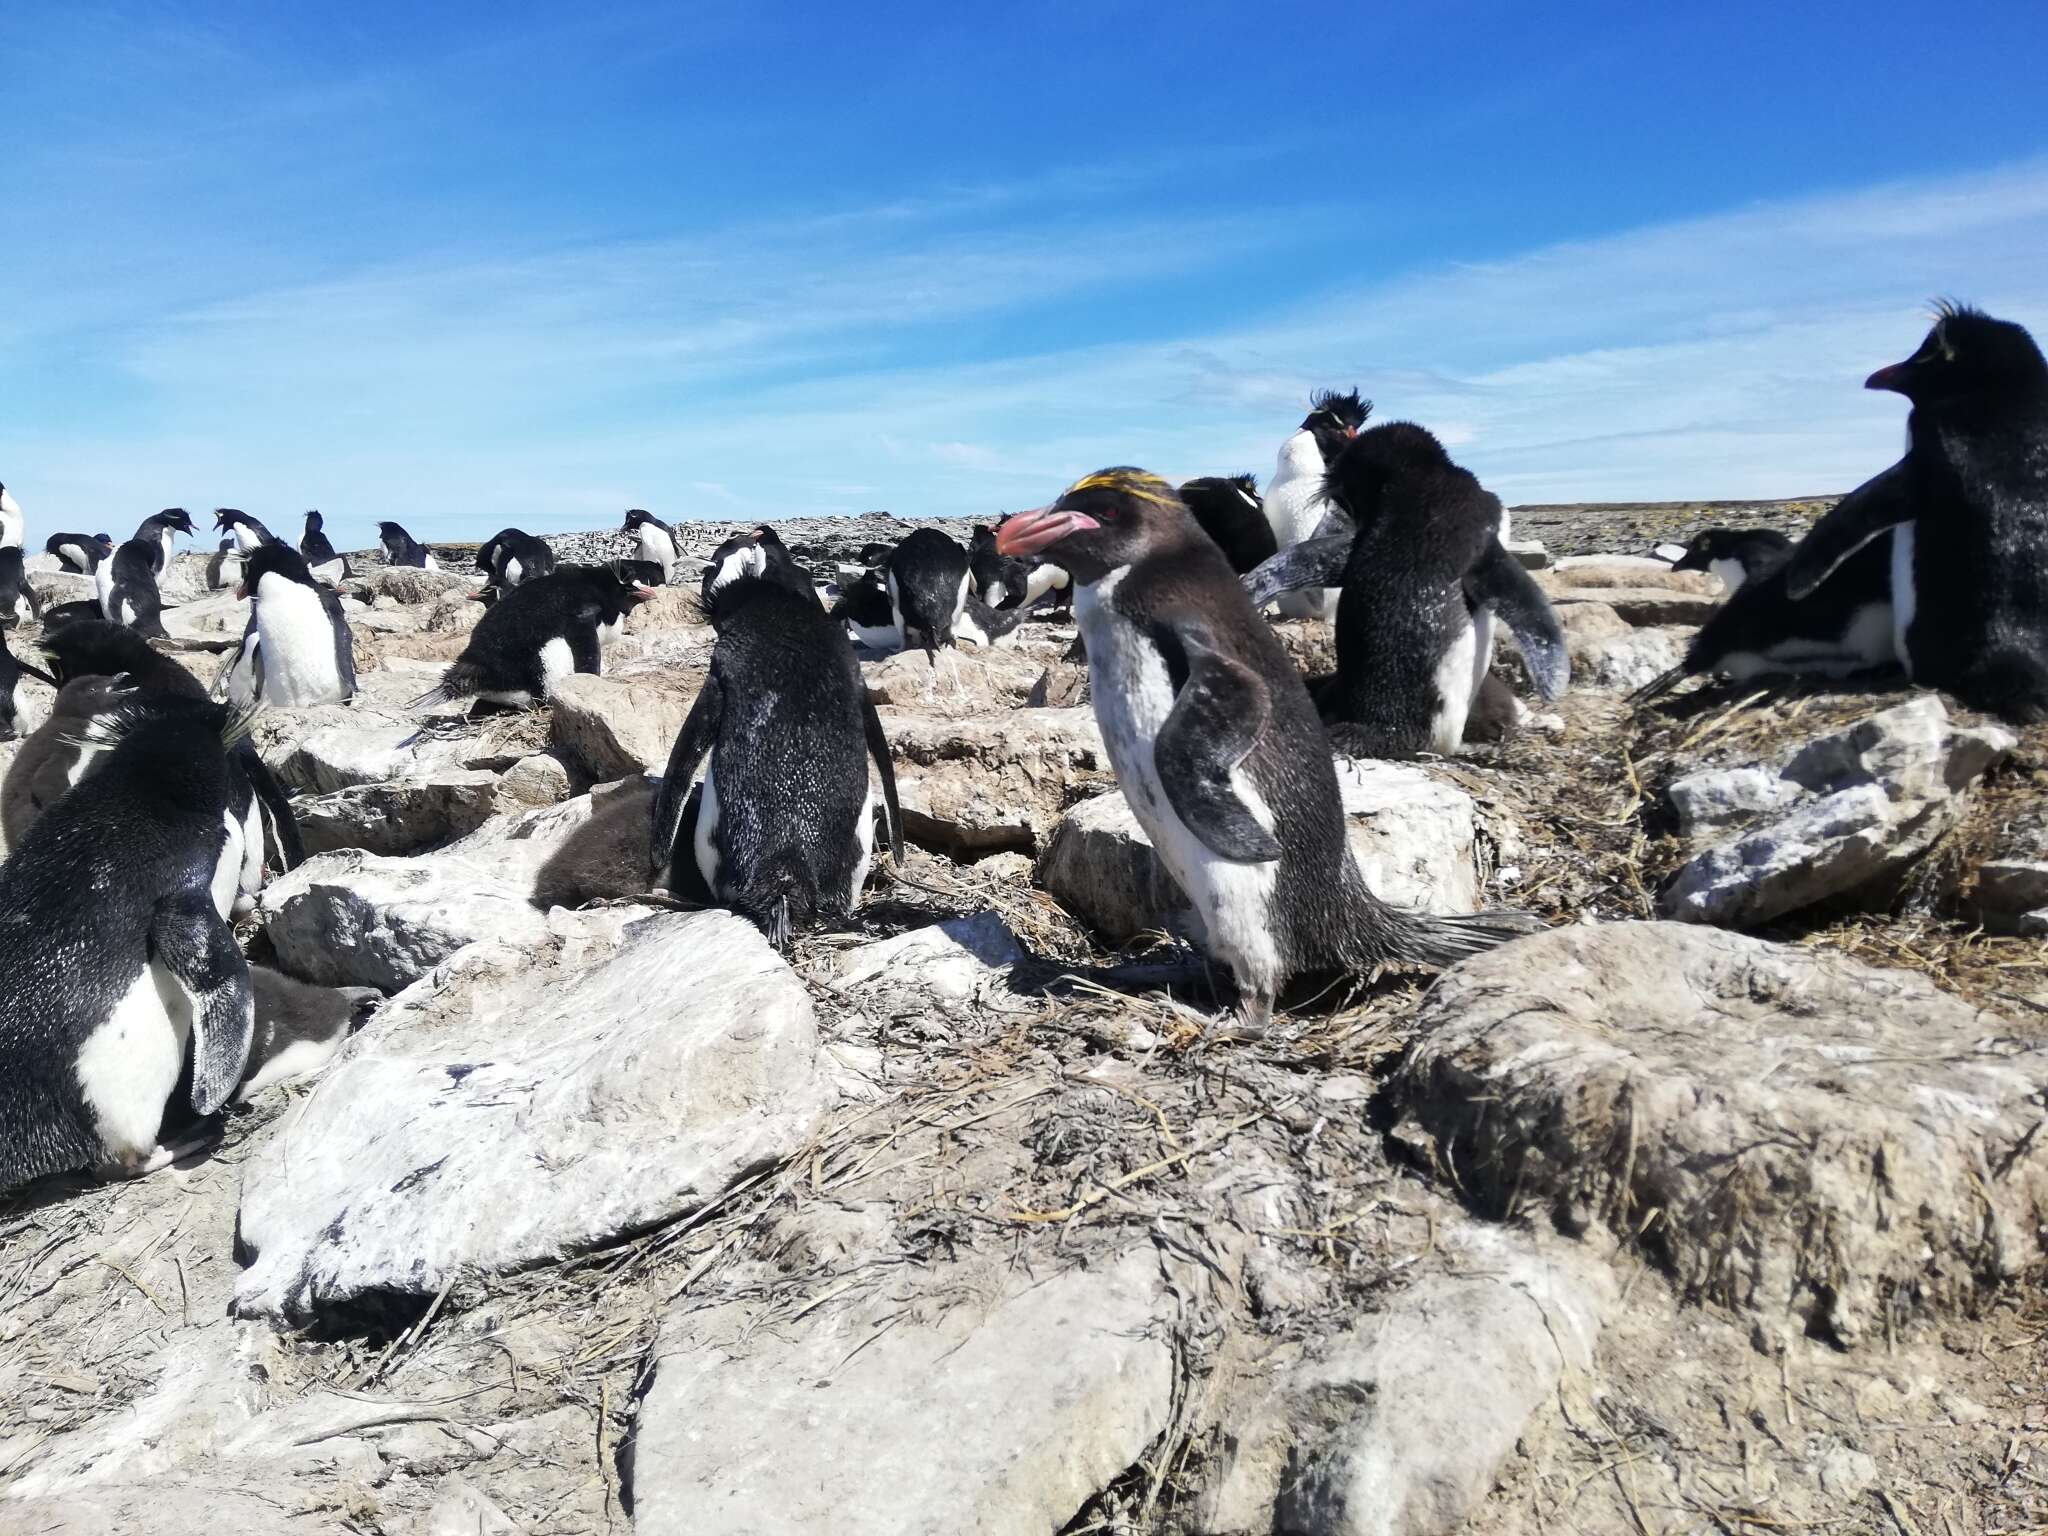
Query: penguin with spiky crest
x,y
754,552
80,552
118,970
325,562
1294,504
1967,515
1423,577
657,541
538,633
401,548
1218,748
18,601
298,649
249,534
510,556
782,828
1734,555
13,524
1230,512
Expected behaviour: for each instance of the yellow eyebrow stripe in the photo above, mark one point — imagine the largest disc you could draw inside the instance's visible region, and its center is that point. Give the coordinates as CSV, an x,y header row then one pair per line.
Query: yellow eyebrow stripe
x,y
1145,487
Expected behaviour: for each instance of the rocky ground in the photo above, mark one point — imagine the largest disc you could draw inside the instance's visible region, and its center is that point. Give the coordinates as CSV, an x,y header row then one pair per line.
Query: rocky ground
x,y
1716,1207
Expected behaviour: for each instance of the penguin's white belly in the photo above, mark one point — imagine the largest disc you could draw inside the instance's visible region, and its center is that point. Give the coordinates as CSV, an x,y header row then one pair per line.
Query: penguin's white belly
x,y
609,635
656,547
1905,600
556,662
227,867
299,662
241,684
22,611
877,637
103,587
128,1066
1133,696
73,556
705,844
1043,579
1457,680
1728,572
1865,642
864,838
253,844
1294,505
512,569
246,539
429,563
994,594
902,631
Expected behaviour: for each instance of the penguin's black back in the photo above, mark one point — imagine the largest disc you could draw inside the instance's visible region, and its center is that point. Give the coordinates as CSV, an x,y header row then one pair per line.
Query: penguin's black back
x,y
928,568
508,544
314,544
1230,512
503,654
13,582
95,648
134,584
90,543
400,547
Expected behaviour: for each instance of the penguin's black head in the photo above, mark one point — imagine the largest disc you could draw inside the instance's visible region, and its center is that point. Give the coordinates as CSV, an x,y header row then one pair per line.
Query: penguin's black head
x,y
639,517
1104,522
623,592
876,555
1371,459
106,544
314,522
1751,546
1335,420
95,648
273,559
227,517
176,518
392,533
1967,355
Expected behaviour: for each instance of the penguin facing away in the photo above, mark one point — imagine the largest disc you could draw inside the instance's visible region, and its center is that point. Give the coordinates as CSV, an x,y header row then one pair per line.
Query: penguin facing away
x,y
1218,749
298,649
224,567
80,552
782,827
401,548
539,632
115,953
928,577
1967,511
1424,575
1230,512
13,524
509,557
246,531
657,541
1294,502
865,609
322,559
1734,555
756,552
18,601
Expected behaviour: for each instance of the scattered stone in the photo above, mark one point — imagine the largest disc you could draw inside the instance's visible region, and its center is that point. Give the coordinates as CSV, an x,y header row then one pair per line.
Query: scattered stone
x,y
1786,1132
532,782
1530,552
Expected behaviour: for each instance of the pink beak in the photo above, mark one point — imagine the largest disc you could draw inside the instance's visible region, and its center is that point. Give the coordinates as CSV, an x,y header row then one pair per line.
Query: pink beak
x,y
1886,378
642,594
242,589
1026,533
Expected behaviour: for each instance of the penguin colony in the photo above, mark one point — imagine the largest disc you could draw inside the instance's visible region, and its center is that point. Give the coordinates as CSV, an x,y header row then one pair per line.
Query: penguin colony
x,y
140,821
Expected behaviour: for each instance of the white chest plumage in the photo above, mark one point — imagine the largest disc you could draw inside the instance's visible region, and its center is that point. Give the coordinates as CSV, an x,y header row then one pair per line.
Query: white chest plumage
x,y
300,666
1728,572
1294,505
1133,694
246,539
657,546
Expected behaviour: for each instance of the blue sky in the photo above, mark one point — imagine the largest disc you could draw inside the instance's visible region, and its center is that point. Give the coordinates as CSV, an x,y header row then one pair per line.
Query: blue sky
x,y
471,265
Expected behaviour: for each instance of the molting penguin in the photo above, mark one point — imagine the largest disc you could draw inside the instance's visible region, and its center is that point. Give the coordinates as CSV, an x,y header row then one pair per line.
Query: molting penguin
x,y
928,576
1218,749
1734,555
18,601
238,525
509,557
1967,510
81,552
322,559
1294,496
1424,574
401,548
1230,512
782,829
657,540
115,952
540,631
298,649
13,525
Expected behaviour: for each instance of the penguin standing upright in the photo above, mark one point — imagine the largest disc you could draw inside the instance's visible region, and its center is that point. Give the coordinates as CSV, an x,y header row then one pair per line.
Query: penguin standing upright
x,y
538,633
13,525
81,552
999,581
1423,574
782,829
1294,502
928,576
298,649
1218,749
326,564
1230,512
1734,555
1967,510
755,552
249,534
657,540
117,965
18,601
127,585
509,557
224,566
401,548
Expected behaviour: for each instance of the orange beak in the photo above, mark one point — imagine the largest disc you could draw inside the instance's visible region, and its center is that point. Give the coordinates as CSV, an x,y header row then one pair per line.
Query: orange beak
x,y
1026,533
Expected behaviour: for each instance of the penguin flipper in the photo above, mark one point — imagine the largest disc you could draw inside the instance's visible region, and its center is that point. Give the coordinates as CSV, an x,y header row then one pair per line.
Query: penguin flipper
x,y
1874,507
585,654
878,749
277,810
344,643
192,941
1311,563
1216,720
700,730
1498,582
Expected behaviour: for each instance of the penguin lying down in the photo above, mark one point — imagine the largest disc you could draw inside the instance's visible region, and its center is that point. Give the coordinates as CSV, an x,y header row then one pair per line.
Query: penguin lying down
x,y
539,632
1423,577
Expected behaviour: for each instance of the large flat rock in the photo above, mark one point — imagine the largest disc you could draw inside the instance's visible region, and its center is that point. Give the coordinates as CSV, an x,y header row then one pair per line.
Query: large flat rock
x,y
993,782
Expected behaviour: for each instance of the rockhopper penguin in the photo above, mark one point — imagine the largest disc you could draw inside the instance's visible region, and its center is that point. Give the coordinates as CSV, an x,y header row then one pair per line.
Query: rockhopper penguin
x,y
401,548
1294,496
298,649
1734,555
1218,749
539,632
322,560
657,540
510,556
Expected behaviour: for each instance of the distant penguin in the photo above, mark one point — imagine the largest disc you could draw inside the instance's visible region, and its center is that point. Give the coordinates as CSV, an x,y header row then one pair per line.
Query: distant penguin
x,y
162,529
782,829
538,633
11,670
117,964
13,525
224,567
18,601
928,578
657,540
126,585
401,548
298,650
1424,575
1967,510
246,531
864,608
1294,501
998,580
1218,749
1734,555
757,552
1230,512
80,552
509,557
322,560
